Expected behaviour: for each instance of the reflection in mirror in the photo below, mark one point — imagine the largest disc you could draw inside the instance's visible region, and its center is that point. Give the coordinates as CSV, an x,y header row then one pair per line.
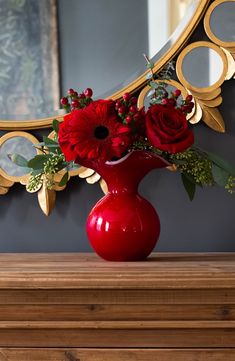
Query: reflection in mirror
x,y
28,58
119,33
169,88
19,145
104,54
202,67
222,21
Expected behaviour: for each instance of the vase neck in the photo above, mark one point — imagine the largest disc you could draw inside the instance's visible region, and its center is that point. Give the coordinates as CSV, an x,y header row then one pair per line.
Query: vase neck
x,y
125,174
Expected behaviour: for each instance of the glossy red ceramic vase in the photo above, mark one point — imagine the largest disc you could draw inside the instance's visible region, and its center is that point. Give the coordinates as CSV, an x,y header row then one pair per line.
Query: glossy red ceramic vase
x,y
123,226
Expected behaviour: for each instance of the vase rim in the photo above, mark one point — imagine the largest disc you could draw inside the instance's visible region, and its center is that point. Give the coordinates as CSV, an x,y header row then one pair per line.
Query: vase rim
x,y
113,162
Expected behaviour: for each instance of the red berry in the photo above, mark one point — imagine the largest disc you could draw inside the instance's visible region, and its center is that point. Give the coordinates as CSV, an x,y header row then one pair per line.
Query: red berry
x,y
64,101
122,110
177,93
137,117
75,103
189,98
88,92
133,109
165,95
118,104
82,96
186,109
172,102
133,100
70,91
191,104
164,101
75,94
126,96
128,118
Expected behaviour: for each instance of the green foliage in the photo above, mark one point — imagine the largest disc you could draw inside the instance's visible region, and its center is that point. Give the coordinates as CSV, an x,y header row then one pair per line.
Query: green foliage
x,y
64,179
223,164
196,165
189,185
220,175
18,160
55,125
38,161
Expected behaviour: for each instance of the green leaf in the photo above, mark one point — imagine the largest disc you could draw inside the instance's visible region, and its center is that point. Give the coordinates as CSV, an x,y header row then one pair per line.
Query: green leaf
x,y
55,125
38,161
150,65
154,85
18,160
52,145
189,186
64,179
220,162
220,175
36,172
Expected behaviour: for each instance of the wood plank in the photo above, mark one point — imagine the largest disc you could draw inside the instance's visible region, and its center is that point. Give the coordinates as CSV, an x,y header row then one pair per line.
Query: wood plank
x,y
117,325
161,271
107,338
117,296
117,355
95,312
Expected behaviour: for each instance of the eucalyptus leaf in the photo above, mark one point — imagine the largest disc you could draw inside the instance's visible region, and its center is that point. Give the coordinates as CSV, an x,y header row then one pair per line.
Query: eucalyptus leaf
x,y
189,186
18,160
220,162
220,175
38,161
52,145
55,125
64,180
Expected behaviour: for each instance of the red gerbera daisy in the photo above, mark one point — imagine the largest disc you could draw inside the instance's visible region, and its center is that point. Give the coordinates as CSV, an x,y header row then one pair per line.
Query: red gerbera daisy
x,y
94,132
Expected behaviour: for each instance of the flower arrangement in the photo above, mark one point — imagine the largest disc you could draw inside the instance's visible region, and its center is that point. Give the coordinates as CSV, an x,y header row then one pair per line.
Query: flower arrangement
x,y
107,130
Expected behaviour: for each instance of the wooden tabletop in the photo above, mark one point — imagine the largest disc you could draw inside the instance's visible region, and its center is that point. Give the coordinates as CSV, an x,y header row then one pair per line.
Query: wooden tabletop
x,y
86,270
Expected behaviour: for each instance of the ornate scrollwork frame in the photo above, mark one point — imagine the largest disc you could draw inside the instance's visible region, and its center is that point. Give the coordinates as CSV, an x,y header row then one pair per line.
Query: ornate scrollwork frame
x,y
206,99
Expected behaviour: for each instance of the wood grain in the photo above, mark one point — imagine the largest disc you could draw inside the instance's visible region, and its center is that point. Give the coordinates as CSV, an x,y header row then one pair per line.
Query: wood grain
x,y
77,302
116,355
88,271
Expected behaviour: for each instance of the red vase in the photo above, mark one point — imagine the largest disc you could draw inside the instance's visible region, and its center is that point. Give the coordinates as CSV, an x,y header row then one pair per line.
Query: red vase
x,y
123,226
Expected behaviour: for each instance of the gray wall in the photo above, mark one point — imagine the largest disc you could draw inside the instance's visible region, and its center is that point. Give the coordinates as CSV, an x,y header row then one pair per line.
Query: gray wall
x,y
206,224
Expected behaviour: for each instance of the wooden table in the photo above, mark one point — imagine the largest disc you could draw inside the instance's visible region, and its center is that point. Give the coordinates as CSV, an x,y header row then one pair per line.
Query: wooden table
x,y
76,307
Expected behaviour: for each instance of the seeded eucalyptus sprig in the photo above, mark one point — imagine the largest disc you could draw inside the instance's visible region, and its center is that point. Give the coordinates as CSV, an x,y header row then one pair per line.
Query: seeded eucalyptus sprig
x,y
44,166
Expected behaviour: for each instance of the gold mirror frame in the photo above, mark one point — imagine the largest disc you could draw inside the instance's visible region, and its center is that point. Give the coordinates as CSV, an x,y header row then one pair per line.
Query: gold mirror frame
x,y
230,45
133,86
206,100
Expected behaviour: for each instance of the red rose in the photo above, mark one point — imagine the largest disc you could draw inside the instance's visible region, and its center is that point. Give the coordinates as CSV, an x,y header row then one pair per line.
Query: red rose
x,y
167,129
94,132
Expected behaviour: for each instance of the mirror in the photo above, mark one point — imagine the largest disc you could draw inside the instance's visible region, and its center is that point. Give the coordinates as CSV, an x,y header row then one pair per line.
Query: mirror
x,y
202,66
118,35
15,143
222,20
204,61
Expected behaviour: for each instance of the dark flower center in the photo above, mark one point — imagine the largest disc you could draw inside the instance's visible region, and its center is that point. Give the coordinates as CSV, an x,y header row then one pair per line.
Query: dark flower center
x,y
101,132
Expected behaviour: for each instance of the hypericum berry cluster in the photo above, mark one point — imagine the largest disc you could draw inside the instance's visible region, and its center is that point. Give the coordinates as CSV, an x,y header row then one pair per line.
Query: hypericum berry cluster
x,y
171,100
187,104
127,110
76,101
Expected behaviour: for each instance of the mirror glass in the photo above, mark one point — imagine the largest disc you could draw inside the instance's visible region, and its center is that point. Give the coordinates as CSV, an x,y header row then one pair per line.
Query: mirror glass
x,y
19,145
79,44
202,67
169,88
222,21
